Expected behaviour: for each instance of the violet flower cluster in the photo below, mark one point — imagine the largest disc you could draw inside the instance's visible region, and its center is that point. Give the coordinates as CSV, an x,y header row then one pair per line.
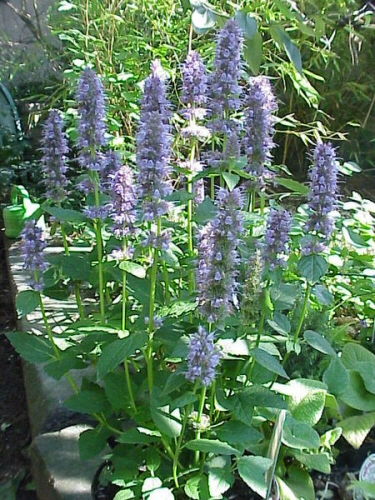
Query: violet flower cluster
x,y
260,106
218,257
32,248
203,357
322,199
153,147
54,159
277,237
224,88
124,201
194,86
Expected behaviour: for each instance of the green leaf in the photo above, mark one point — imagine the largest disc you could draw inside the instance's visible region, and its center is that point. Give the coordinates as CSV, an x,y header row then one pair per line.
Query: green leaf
x,y
211,446
299,435
307,407
318,342
168,422
281,37
323,296
336,377
60,367
76,266
203,19
247,24
88,401
116,389
27,301
91,443
284,296
280,323
184,400
355,429
220,476
32,348
297,486
367,372
356,395
253,471
65,215
135,436
253,52
268,361
312,267
355,353
205,211
197,488
316,461
161,494
294,186
366,488
133,268
116,352
238,433
231,180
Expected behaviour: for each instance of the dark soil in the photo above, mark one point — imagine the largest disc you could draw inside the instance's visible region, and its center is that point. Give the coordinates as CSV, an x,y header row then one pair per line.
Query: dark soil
x,y
15,476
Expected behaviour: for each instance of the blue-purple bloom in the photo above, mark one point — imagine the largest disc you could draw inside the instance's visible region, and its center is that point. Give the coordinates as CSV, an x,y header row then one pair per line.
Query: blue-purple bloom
x,y
194,86
203,357
260,106
277,237
322,198
110,163
33,245
218,257
91,127
224,89
124,200
54,159
153,147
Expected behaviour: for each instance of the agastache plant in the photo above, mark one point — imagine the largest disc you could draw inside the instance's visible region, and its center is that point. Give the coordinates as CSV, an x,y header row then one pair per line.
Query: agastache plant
x,y
54,159
33,255
277,237
218,257
322,198
203,357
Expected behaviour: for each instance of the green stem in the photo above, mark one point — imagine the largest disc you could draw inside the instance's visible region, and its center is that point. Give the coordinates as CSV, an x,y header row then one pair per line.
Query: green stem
x,y
77,293
190,223
199,418
99,245
178,446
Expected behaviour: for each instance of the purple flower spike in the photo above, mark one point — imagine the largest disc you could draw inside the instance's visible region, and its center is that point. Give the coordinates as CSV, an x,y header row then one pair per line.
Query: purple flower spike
x,y
277,237
92,108
223,83
194,87
258,142
124,201
153,147
203,358
323,194
217,273
55,150
34,260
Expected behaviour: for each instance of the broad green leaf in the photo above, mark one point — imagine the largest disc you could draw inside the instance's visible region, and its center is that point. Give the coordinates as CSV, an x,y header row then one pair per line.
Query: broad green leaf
x,y
27,301
134,436
363,488
168,422
161,494
252,470
238,433
282,38
205,211
184,400
32,348
308,407
355,429
312,267
116,389
65,214
284,296
356,395
253,52
133,268
197,488
323,295
116,352
280,323
211,446
318,342
203,19
231,180
151,483
124,495
91,443
336,377
57,369
355,353
264,397
247,24
220,479
88,401
76,266
316,461
299,435
268,361
367,372
293,185
297,486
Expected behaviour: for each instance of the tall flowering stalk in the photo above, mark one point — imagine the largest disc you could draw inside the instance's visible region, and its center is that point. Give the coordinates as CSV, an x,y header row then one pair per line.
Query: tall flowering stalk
x,y
260,106
153,152
33,257
322,198
54,159
218,257
277,237
203,357
91,127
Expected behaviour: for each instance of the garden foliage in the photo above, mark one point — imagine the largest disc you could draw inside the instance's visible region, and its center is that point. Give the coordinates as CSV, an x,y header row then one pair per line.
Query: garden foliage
x,y
209,297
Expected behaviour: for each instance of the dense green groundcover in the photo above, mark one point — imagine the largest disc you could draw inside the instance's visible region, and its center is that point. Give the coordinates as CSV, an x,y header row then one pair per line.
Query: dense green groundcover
x,y
231,331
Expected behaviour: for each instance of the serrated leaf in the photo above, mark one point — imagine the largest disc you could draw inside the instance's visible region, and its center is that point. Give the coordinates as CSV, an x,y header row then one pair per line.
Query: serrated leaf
x,y
231,180
318,342
265,359
316,461
76,266
205,211
299,435
284,296
133,268
280,323
32,348
166,420
355,429
220,479
308,407
88,401
253,470
197,488
211,446
297,486
60,367
238,433
91,443
116,389
27,301
312,267
116,352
